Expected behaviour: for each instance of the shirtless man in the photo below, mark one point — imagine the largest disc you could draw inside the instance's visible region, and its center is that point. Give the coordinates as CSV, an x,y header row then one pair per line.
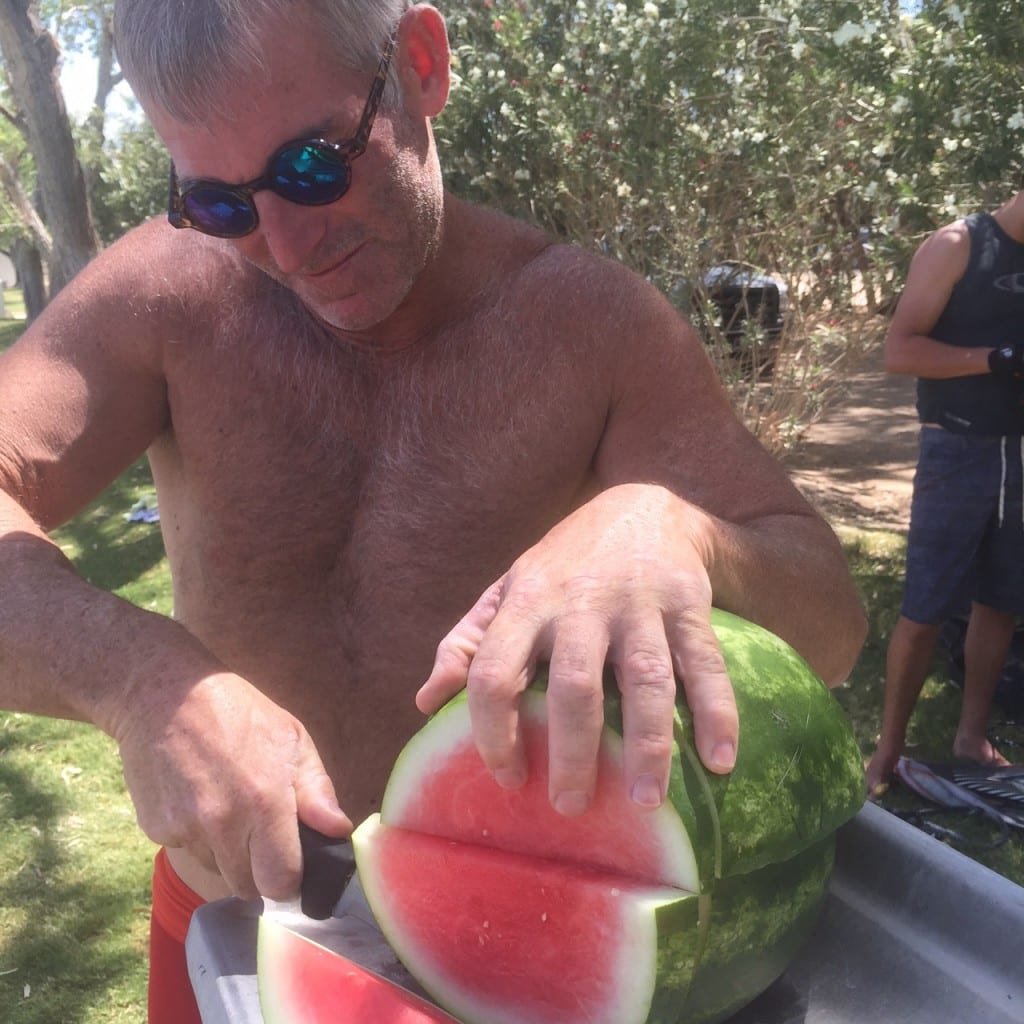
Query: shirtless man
x,y
402,445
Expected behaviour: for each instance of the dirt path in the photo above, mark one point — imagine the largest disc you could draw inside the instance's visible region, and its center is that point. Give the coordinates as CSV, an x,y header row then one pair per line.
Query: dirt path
x,y
856,464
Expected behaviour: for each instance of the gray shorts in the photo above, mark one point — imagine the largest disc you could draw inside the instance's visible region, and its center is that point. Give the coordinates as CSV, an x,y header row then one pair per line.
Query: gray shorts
x,y
966,539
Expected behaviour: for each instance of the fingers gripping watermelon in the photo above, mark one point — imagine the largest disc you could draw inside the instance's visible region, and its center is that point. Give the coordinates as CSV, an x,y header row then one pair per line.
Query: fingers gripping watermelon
x,y
508,913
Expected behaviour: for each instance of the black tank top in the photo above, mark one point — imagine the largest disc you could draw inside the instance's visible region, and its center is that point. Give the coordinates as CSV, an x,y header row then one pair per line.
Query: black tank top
x,y
986,307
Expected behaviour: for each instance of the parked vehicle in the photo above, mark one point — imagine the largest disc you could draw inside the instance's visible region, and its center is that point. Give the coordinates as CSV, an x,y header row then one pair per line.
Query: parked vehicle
x,y
742,306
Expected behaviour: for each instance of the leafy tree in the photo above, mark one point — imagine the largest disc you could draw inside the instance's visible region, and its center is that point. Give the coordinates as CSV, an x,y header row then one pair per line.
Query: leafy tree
x,y
818,138
31,62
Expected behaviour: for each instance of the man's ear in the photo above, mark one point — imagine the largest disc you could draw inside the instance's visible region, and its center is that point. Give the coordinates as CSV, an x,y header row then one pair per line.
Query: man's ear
x,y
423,60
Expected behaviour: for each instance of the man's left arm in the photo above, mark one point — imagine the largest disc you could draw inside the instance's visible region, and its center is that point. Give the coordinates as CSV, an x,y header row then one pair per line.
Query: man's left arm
x,y
691,511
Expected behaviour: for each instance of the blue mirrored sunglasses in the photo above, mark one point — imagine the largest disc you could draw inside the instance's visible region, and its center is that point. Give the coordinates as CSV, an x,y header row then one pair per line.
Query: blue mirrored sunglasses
x,y
310,172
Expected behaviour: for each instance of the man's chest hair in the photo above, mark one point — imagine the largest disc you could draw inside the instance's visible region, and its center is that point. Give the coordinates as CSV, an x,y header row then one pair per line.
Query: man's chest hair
x,y
293,428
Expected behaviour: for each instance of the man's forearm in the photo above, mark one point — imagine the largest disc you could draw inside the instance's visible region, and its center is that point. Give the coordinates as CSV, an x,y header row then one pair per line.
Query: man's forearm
x,y
918,355
69,649
788,573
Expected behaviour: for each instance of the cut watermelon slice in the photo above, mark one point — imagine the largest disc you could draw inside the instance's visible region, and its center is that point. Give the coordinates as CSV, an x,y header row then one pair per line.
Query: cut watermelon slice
x,y
512,939
302,982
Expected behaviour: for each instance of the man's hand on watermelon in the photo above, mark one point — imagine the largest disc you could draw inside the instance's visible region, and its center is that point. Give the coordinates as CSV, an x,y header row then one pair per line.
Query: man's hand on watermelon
x,y
622,580
217,769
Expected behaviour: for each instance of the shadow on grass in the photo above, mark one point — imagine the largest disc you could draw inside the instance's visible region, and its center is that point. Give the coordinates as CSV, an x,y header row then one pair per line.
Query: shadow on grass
x,y
58,962
109,551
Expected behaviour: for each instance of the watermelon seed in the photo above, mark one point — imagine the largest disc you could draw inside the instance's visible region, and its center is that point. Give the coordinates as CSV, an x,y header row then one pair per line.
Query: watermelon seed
x,y
544,916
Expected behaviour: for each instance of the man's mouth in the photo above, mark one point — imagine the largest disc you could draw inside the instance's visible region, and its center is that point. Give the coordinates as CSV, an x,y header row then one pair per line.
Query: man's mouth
x,y
331,267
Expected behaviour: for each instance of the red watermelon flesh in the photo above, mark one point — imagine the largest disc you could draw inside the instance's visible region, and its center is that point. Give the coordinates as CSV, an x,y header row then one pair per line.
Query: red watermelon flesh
x,y
302,982
514,939
460,800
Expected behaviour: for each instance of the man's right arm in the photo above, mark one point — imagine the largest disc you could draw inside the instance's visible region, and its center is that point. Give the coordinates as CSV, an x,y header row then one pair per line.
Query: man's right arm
x,y
212,765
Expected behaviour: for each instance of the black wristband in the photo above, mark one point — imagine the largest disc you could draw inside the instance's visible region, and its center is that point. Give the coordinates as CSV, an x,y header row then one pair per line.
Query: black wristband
x,y
1007,361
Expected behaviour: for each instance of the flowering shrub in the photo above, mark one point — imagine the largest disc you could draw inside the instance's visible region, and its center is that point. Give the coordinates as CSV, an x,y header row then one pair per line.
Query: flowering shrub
x,y
820,139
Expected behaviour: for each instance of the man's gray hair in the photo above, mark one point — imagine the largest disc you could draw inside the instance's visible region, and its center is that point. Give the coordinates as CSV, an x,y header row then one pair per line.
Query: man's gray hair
x,y
180,54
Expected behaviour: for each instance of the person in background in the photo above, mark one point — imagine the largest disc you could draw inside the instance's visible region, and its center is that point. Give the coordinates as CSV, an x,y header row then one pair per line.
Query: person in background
x,y
402,445
959,328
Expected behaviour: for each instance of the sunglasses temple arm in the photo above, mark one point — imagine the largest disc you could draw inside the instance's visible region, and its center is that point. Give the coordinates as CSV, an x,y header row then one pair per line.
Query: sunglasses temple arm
x,y
362,136
174,199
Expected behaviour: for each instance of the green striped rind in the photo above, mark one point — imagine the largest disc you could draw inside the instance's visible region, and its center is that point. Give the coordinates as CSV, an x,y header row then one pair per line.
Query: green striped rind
x,y
757,924
798,773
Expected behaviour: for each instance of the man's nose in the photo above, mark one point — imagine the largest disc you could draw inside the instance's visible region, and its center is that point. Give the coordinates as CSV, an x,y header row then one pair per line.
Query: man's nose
x,y
290,232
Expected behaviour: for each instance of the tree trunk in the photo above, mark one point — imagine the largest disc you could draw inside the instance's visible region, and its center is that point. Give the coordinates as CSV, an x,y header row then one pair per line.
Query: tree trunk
x,y
30,55
27,213
107,79
29,266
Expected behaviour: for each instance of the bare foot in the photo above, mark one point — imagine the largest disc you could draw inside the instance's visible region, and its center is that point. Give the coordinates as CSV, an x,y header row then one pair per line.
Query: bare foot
x,y
879,771
980,751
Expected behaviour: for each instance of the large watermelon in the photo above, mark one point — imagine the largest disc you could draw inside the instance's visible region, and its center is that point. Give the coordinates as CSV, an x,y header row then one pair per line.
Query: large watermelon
x,y
508,913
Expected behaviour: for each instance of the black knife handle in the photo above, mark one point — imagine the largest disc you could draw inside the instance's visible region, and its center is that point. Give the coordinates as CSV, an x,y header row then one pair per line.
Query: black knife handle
x,y
327,866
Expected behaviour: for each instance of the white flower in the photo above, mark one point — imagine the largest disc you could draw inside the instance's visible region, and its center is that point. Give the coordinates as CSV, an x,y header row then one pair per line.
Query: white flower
x,y
558,68
950,145
651,11
846,33
899,104
797,49
623,190
522,174
1016,121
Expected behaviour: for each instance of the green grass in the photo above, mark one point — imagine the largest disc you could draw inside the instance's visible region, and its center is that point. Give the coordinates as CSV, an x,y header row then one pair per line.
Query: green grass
x,y
74,867
14,304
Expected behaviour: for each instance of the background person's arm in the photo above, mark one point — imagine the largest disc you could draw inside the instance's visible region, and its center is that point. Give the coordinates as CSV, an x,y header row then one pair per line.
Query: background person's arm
x,y
937,265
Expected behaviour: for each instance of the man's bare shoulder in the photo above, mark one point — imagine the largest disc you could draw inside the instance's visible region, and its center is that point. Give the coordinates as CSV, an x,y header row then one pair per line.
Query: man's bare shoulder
x,y
550,280
945,252
603,304
154,269
523,261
